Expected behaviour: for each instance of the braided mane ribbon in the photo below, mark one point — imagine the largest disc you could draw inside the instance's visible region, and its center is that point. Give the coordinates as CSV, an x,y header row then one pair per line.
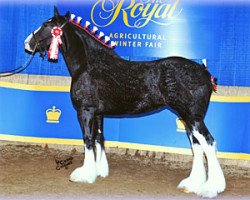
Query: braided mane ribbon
x,y
55,43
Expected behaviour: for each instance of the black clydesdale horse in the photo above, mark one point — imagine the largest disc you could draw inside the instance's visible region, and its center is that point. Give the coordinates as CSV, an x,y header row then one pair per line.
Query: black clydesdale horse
x,y
105,84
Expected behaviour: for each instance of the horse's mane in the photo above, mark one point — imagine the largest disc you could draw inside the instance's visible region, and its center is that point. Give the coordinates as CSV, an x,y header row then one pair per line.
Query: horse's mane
x,y
94,43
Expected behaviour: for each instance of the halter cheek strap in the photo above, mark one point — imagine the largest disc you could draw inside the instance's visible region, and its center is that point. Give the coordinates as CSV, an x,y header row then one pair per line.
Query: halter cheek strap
x,y
37,46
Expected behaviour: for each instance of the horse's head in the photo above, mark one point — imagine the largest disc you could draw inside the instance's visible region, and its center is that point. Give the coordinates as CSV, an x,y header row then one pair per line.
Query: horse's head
x,y
41,39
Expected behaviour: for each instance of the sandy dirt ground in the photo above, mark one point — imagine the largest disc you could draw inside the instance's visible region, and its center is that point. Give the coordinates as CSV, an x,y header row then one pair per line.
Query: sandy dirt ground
x,y
29,172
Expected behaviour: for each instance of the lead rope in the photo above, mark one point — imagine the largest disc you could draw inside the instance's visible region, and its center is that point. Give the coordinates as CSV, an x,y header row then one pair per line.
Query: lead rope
x,y
54,52
18,69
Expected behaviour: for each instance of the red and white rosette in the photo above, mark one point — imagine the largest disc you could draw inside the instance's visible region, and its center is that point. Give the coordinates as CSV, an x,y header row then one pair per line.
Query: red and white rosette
x,y
55,43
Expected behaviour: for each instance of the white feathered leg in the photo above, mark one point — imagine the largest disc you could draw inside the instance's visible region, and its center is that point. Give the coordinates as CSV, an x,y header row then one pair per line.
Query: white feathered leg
x,y
87,173
101,162
216,181
197,176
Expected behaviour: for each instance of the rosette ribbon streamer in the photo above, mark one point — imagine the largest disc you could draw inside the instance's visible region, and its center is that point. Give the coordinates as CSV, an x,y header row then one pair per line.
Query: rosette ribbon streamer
x,y
55,43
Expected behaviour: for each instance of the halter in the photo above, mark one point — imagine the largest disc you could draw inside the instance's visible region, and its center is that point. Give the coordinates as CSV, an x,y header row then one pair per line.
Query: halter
x,y
37,45
57,32
26,64
37,42
101,38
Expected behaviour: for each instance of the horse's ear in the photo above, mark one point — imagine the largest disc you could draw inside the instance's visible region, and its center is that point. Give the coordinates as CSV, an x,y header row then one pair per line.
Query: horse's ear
x,y
56,13
67,15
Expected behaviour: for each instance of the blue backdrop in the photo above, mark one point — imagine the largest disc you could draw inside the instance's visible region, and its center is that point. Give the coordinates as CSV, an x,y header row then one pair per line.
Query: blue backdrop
x,y
144,30
228,122
216,30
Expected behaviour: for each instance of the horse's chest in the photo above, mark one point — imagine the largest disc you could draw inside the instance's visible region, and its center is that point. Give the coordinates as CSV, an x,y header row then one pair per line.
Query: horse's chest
x,y
84,90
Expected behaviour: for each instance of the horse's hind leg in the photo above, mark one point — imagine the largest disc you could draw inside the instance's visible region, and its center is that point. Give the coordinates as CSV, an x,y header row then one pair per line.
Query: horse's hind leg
x,y
101,159
216,181
197,176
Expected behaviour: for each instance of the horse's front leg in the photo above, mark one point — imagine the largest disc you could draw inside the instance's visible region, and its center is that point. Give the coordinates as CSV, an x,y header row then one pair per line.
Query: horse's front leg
x,y
87,173
101,159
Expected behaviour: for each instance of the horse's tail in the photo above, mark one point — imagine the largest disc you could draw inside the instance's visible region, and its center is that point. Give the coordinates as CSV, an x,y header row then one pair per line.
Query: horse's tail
x,y
213,80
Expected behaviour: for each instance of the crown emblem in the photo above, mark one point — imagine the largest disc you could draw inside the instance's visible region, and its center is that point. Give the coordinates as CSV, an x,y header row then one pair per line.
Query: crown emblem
x,y
180,125
53,115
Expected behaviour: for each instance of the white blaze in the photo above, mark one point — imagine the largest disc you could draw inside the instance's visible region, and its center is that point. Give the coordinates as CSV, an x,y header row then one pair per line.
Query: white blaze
x,y
27,41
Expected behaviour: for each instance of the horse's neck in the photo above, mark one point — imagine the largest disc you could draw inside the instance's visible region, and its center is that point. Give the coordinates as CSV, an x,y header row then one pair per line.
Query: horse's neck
x,y
74,52
82,51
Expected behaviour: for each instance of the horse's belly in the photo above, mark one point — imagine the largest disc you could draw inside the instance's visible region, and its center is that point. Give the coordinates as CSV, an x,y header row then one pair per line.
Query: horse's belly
x,y
120,107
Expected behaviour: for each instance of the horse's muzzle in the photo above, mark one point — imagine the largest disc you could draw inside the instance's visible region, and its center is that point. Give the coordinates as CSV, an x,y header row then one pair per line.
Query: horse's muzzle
x,y
28,48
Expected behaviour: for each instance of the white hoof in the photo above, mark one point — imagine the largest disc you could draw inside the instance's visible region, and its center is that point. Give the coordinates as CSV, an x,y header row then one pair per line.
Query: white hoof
x,y
211,189
189,185
102,166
